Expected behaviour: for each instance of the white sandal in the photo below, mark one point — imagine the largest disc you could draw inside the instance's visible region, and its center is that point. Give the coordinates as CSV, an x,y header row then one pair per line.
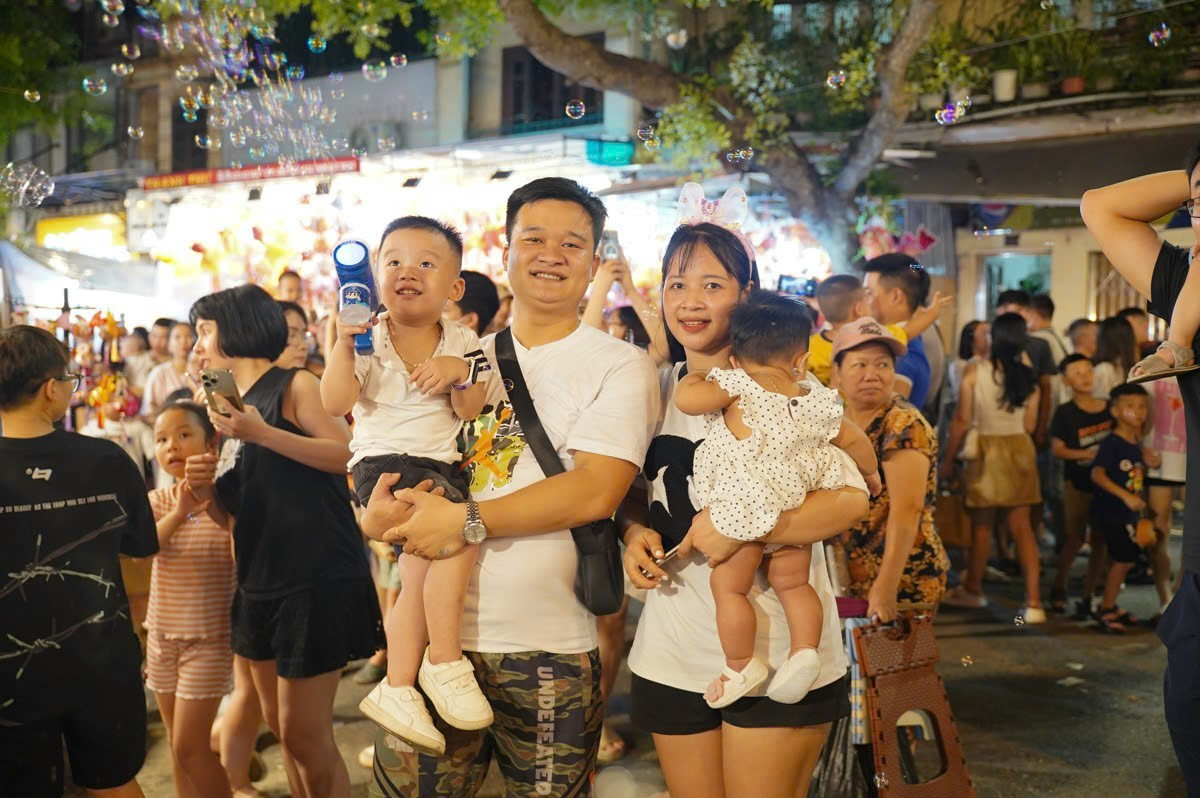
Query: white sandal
x,y
738,683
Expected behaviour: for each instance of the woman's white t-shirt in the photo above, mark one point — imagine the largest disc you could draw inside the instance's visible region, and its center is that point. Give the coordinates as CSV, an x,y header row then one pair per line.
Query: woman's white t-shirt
x,y
676,642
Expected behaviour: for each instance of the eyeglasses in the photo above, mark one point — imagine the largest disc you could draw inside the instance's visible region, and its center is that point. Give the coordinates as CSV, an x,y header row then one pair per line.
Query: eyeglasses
x,y
75,379
1190,207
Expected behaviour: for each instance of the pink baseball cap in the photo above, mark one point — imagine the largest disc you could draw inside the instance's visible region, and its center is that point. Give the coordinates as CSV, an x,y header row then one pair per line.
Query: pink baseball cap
x,y
866,330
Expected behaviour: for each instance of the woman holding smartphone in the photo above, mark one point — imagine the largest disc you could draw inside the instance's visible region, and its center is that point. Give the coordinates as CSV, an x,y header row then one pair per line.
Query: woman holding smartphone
x,y
305,603
755,746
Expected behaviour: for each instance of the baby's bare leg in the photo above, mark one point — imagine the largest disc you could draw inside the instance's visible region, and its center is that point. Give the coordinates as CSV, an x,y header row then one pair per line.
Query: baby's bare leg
x,y
445,594
736,622
787,573
405,624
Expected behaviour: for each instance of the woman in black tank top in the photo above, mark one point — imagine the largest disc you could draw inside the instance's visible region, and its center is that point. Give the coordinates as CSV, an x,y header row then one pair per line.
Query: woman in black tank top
x,y
305,603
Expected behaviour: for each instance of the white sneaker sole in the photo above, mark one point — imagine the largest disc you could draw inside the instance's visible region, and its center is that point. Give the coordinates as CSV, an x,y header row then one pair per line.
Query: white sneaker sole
x,y
466,724
422,742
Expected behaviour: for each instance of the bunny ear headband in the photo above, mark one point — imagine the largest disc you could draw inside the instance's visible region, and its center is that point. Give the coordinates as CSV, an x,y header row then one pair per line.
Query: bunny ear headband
x,y
729,212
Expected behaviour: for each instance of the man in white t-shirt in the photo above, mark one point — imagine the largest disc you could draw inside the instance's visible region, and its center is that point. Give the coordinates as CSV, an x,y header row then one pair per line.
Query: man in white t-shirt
x,y
532,643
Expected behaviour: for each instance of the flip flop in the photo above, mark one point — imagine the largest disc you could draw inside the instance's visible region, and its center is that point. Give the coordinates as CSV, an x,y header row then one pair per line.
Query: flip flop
x,y
736,684
612,746
1154,367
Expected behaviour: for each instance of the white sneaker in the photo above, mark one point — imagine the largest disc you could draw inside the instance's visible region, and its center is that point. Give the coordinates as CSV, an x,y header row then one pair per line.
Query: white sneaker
x,y
795,677
401,711
1033,615
455,694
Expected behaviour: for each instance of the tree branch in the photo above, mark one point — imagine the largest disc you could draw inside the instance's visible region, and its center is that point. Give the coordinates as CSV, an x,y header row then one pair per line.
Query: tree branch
x,y
894,102
651,84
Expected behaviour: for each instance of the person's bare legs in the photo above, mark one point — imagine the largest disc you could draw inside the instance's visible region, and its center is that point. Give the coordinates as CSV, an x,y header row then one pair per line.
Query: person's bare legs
x,y
981,543
405,624
190,749
166,710
610,631
266,685
770,762
445,594
1112,583
1027,552
1075,509
691,764
1161,497
306,720
238,731
737,624
787,573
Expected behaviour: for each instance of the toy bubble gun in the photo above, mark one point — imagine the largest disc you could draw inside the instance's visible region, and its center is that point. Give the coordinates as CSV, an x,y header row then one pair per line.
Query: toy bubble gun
x,y
356,296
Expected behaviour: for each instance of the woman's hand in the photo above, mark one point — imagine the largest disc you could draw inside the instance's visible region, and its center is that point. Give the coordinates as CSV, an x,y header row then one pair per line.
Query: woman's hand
x,y
881,602
200,473
246,425
436,375
434,529
643,546
704,538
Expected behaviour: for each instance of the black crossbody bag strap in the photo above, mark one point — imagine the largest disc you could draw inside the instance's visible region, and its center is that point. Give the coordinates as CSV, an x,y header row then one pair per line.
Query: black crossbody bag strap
x,y
531,425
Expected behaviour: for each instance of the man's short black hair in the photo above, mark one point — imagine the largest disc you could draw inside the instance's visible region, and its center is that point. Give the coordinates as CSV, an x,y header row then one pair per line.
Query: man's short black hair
x,y
1013,296
288,273
165,322
897,270
768,326
836,296
144,334
1132,310
28,357
480,298
1077,325
1125,389
435,226
1069,360
250,322
556,188
1042,305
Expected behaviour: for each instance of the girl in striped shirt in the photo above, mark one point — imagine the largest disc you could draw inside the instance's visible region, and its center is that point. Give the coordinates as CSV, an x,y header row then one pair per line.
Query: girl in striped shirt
x,y
189,658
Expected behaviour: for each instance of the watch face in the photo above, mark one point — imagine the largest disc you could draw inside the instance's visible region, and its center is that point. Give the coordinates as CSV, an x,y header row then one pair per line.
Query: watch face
x,y
475,533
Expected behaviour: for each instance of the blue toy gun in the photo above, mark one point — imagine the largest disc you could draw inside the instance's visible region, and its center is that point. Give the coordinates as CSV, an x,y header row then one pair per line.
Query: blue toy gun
x,y
356,297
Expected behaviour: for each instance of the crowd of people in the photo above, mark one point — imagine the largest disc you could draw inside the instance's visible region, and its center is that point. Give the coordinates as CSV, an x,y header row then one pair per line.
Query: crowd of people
x,y
419,505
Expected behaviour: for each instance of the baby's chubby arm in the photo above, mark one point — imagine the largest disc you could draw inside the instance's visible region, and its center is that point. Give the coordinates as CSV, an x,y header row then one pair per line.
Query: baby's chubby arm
x,y
854,442
696,396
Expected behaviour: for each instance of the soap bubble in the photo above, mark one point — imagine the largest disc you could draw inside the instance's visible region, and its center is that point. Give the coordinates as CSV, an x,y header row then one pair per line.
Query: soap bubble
x,y
277,60
949,114
371,30
576,109
645,132
33,95
26,184
237,138
131,51
188,102
967,661
836,78
135,132
295,72
398,60
420,115
1019,620
1046,4
122,69
339,145
964,104
335,77
677,39
235,164
187,73
1160,35
95,85
257,153
881,780
110,20
189,116
374,70
652,144
359,152
441,39
385,144
317,44
206,143
337,94
113,6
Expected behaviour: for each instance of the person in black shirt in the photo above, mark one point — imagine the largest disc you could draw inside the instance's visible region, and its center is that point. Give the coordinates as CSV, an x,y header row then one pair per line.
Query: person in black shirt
x,y
70,664
1077,427
1121,218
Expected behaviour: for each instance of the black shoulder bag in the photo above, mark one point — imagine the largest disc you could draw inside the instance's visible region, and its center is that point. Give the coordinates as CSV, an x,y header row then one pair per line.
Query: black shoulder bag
x,y
599,579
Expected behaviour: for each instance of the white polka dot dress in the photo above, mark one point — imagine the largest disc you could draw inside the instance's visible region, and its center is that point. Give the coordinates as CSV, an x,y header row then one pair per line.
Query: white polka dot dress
x,y
746,484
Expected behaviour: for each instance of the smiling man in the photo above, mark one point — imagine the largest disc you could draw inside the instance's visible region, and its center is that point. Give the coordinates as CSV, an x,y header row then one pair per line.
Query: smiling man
x,y
531,642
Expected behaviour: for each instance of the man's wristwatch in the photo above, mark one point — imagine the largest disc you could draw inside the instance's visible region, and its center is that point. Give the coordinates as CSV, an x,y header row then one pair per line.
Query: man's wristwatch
x,y
474,532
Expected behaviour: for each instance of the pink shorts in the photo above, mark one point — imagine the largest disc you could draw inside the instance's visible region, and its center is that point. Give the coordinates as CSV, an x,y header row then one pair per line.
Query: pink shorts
x,y
191,669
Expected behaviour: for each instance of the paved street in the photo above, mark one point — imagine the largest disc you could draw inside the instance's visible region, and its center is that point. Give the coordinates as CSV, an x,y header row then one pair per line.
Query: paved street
x,y
1025,734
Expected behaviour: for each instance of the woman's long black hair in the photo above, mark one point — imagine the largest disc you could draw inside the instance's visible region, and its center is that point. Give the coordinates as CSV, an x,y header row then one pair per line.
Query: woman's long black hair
x,y
725,246
1008,350
966,341
1115,344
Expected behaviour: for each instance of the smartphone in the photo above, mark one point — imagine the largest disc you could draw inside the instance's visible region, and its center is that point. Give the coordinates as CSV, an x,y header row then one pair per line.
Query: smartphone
x,y
610,246
219,382
668,556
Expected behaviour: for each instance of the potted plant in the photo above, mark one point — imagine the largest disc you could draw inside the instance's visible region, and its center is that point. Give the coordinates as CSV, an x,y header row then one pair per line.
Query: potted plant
x,y
941,66
1033,69
1073,55
1003,59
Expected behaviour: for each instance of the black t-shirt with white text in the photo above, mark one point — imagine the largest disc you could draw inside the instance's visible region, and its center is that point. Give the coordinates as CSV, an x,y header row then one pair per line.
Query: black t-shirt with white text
x,y
1170,271
69,505
1079,429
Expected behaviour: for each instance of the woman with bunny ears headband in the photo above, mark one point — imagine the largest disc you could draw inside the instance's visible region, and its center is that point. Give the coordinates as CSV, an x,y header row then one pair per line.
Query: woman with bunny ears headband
x,y
755,746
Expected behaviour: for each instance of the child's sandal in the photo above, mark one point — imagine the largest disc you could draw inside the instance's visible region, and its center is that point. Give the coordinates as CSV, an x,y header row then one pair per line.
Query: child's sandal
x,y
1109,620
1155,368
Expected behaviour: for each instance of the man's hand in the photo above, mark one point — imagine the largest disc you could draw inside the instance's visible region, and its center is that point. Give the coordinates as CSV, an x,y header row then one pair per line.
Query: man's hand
x,y
436,375
385,511
881,602
434,528
704,538
642,547
247,425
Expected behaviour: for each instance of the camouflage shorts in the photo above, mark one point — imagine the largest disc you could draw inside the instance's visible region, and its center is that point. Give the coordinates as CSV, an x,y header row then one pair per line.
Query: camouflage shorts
x,y
544,739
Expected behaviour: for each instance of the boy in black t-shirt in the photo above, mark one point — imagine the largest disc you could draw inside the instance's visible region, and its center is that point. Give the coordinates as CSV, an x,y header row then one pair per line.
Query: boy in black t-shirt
x,y
70,665
1119,474
1076,429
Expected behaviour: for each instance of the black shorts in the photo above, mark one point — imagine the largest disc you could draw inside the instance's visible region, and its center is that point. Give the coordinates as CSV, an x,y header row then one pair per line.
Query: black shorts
x,y
1118,539
312,631
660,709
105,737
412,471
1156,482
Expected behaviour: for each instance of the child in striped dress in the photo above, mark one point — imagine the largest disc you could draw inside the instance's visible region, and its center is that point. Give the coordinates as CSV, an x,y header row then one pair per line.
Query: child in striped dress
x,y
189,658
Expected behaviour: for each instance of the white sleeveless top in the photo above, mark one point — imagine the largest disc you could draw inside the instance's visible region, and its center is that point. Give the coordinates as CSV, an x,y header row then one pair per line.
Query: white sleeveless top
x,y
990,417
